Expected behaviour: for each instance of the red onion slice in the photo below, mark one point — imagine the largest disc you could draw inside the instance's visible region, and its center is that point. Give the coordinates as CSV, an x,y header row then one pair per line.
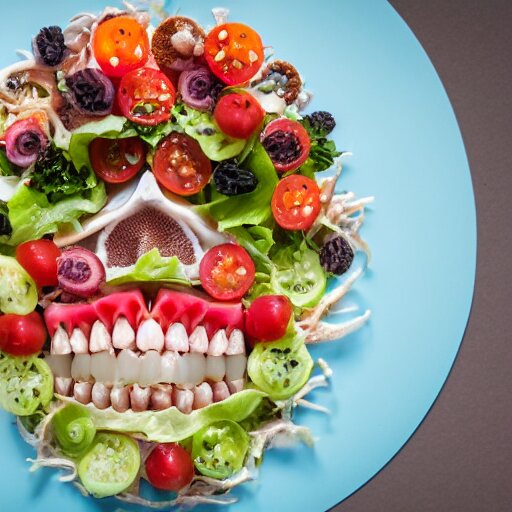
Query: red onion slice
x,y
25,140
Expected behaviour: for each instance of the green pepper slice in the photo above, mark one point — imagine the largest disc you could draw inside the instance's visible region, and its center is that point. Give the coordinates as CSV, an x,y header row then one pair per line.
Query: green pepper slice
x,y
18,292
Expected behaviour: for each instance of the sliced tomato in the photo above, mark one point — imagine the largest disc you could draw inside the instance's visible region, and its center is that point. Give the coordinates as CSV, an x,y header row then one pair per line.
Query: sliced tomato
x,y
227,272
180,165
146,96
130,305
234,52
117,160
39,259
70,316
22,335
120,44
296,202
238,115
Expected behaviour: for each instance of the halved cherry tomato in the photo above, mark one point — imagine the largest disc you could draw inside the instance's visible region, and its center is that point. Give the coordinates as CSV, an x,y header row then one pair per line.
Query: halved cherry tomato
x,y
120,44
238,114
146,96
267,318
226,272
39,259
180,165
287,143
234,52
117,160
22,335
296,202
169,467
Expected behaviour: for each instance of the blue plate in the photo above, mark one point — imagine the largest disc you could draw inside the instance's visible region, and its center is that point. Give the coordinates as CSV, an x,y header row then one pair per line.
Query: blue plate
x,y
366,67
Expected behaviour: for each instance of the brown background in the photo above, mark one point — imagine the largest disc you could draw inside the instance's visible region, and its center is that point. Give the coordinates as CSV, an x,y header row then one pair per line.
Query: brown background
x,y
460,459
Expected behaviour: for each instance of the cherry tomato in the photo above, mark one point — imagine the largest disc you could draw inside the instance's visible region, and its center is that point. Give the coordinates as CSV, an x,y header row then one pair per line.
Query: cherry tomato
x,y
22,335
120,44
226,272
39,259
267,318
238,114
117,160
146,96
180,165
296,202
234,52
287,144
169,467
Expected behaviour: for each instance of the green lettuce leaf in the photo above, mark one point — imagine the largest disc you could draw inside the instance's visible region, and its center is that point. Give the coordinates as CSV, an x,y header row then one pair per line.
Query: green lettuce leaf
x,y
154,134
257,241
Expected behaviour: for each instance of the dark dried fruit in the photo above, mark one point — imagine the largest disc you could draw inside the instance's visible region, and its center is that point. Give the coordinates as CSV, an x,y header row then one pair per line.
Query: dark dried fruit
x,y
90,92
231,180
336,255
49,45
283,147
5,224
321,122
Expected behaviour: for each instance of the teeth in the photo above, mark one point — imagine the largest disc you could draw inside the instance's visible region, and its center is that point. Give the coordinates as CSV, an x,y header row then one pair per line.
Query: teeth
x,y
236,344
100,338
193,369
150,336
203,395
220,391
169,367
215,368
123,336
218,344
120,398
176,338
183,399
128,367
101,395
161,398
139,398
81,367
60,364
60,342
149,368
83,392
63,386
103,367
236,385
199,340
78,342
235,367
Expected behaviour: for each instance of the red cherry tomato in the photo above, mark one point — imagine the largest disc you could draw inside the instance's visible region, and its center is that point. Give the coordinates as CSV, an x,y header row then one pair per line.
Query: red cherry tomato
x,y
117,160
287,144
169,467
39,259
296,202
234,52
267,318
120,44
238,114
146,96
226,272
180,165
22,335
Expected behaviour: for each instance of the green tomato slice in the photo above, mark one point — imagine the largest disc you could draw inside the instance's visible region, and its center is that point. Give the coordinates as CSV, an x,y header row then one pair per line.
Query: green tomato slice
x,y
18,292
25,384
74,429
280,368
219,449
110,465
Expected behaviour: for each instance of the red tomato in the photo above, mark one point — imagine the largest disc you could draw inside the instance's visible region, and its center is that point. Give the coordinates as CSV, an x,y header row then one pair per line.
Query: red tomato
x,y
267,318
146,96
287,144
226,272
238,115
39,259
22,335
180,165
169,467
117,160
296,202
234,52
120,44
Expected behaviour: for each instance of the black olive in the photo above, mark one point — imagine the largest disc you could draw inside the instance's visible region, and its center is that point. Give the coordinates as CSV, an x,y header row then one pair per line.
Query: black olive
x,y
336,255
321,121
231,180
49,45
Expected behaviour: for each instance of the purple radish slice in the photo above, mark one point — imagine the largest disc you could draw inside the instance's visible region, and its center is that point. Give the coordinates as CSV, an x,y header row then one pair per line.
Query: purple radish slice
x,y
80,272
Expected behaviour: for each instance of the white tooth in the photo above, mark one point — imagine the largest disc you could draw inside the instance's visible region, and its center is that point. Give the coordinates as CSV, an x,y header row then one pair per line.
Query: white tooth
x,y
60,364
150,336
236,385
82,391
193,368
218,344
215,368
103,367
176,338
183,399
236,344
170,367
100,338
120,398
81,367
123,336
198,340
235,366
161,397
203,395
63,386
127,367
220,391
101,395
139,398
60,342
149,368
78,342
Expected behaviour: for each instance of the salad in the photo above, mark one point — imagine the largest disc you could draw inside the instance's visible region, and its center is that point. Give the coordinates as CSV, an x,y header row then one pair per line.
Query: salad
x,y
170,246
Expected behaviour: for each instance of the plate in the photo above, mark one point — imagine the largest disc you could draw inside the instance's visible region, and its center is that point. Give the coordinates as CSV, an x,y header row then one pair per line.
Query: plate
x,y
365,66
